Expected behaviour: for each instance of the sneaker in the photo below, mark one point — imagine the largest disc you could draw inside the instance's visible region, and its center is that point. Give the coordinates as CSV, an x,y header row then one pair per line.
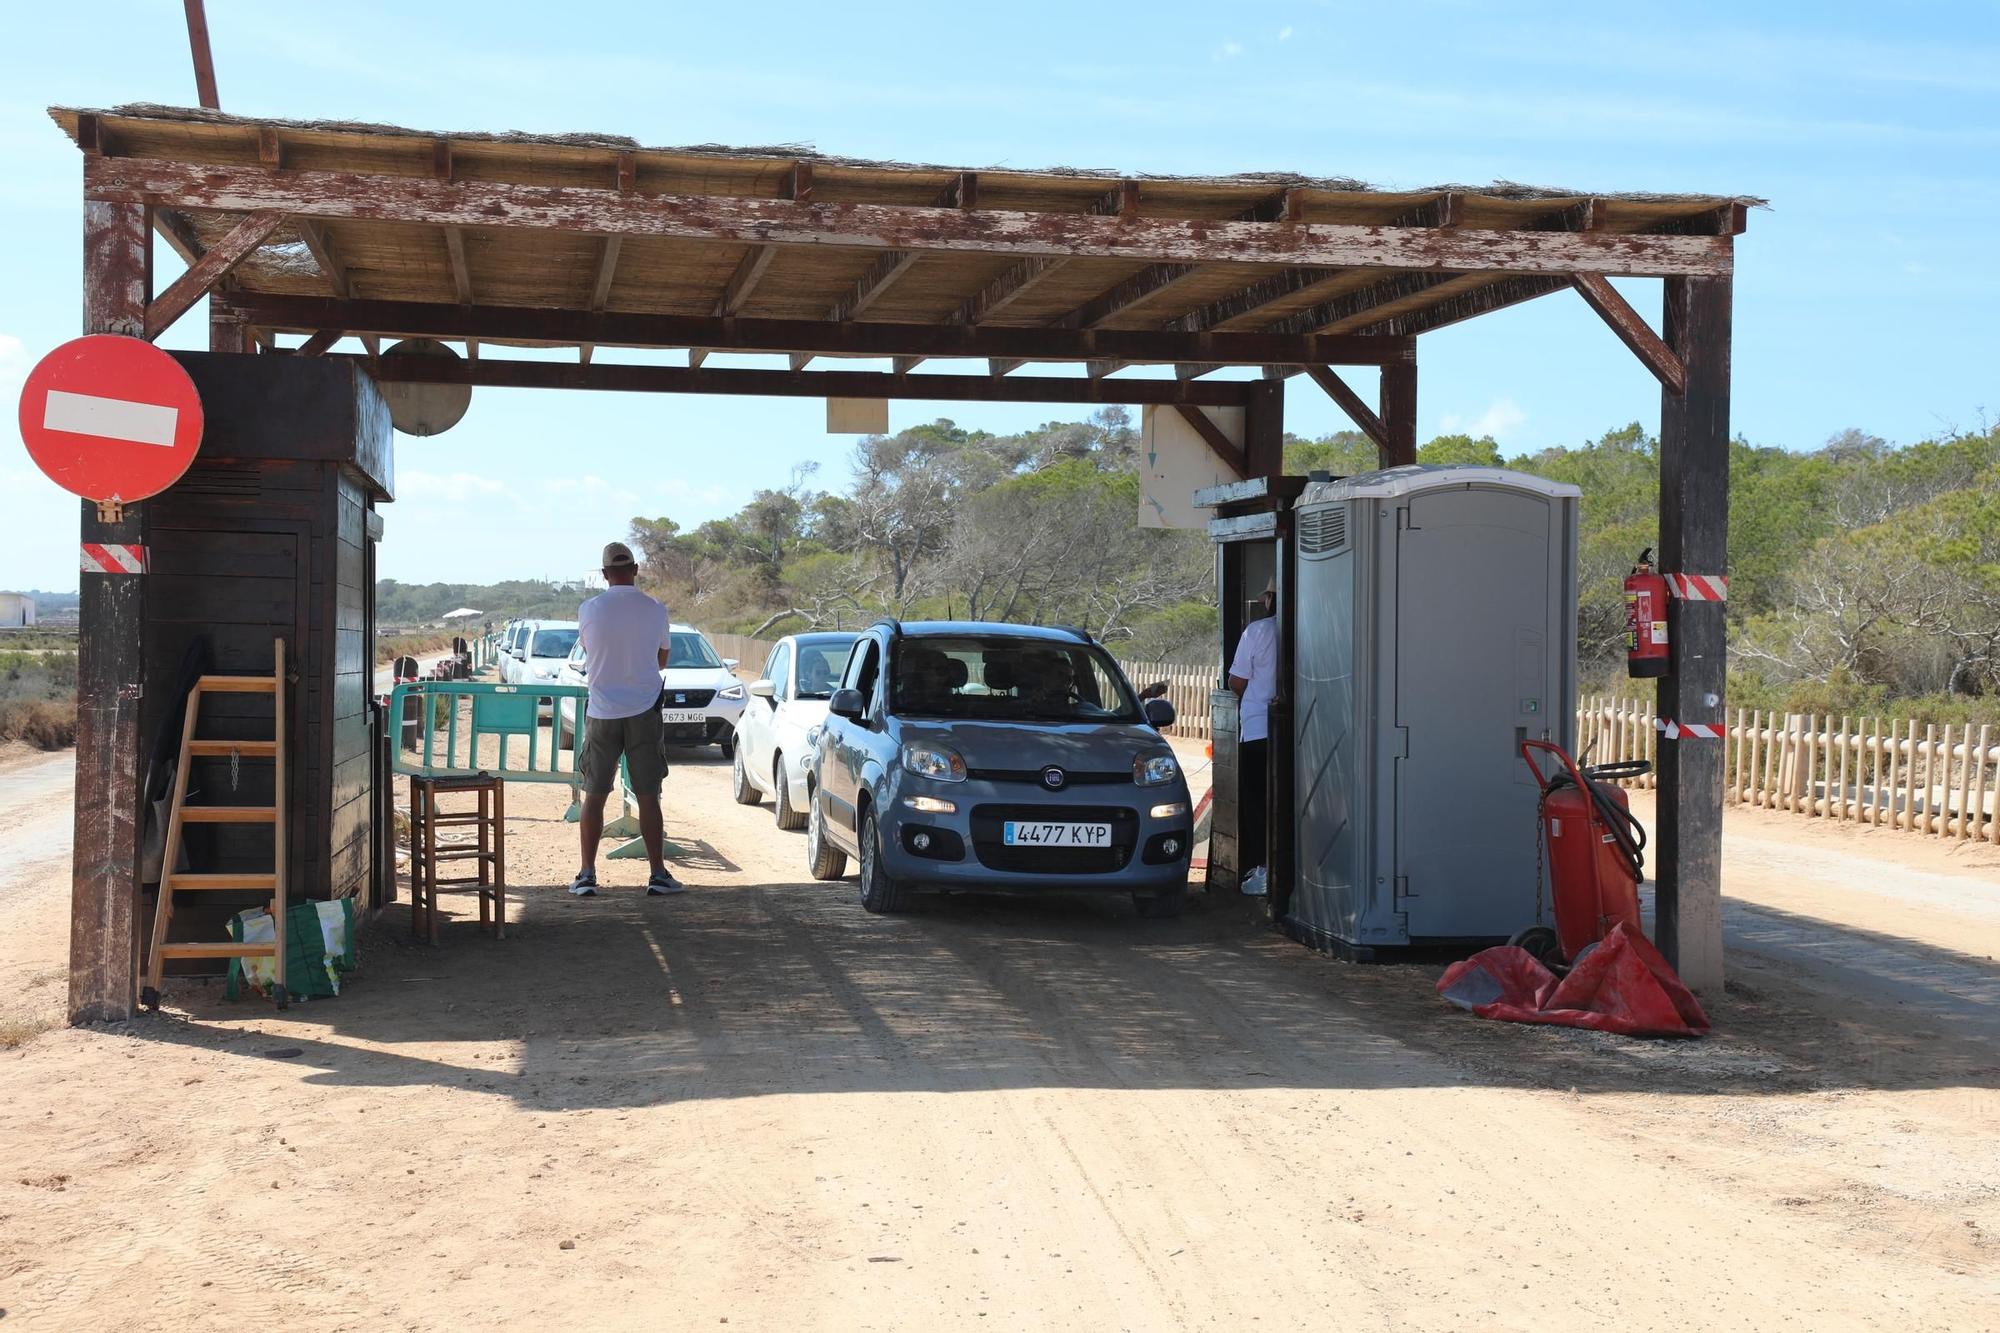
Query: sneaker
x,y
662,882
1254,883
585,884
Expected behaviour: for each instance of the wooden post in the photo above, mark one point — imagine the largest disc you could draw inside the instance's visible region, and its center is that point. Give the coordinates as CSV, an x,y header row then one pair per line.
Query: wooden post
x,y
104,885
1399,413
1694,539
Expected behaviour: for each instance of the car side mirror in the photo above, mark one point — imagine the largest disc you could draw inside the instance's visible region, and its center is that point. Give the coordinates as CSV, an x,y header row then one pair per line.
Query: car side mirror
x,y
763,689
848,704
732,662
1159,714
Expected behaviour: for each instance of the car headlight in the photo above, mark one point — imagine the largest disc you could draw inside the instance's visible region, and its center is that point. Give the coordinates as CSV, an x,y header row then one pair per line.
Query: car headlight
x,y
731,692
1150,770
933,761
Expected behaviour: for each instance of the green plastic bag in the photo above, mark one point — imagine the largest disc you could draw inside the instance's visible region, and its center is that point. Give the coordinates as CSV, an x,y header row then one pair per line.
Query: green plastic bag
x,y
319,946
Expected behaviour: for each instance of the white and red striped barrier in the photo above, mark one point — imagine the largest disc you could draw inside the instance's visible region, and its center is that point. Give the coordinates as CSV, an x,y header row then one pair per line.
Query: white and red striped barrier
x,y
1699,587
1692,731
107,558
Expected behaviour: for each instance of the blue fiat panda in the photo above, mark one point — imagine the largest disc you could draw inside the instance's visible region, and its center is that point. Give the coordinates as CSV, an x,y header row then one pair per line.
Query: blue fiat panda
x,y
975,756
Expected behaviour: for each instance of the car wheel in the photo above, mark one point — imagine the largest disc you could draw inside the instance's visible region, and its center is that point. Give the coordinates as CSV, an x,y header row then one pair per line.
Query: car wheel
x,y
1166,903
788,818
879,893
726,743
823,859
740,785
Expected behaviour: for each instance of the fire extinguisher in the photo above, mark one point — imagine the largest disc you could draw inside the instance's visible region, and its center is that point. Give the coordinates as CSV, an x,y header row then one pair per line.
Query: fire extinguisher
x,y
1645,619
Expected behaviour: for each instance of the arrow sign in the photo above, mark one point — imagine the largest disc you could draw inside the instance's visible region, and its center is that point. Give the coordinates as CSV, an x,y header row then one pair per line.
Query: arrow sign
x,y
110,418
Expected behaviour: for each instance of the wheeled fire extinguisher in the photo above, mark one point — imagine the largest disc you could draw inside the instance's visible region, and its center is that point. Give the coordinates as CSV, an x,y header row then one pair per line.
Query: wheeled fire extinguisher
x,y
1645,619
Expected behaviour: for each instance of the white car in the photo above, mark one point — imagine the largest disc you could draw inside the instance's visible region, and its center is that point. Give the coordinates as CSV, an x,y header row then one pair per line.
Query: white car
x,y
541,651
700,697
786,706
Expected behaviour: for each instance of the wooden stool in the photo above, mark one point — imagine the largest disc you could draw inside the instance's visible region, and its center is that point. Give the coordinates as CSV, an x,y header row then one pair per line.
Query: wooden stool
x,y
488,855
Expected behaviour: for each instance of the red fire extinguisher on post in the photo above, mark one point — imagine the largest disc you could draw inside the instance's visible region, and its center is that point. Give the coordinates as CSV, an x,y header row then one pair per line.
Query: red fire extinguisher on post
x,y
1645,620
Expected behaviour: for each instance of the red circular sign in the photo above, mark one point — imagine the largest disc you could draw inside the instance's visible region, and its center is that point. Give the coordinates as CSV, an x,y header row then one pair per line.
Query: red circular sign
x,y
111,418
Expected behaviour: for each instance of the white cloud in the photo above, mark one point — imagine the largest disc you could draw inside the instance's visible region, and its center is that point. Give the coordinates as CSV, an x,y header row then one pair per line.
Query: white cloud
x,y
1500,420
417,487
1285,33
1228,51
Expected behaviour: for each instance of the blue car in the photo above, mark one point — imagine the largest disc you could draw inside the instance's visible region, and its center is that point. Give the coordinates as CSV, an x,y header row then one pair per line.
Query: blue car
x,y
973,756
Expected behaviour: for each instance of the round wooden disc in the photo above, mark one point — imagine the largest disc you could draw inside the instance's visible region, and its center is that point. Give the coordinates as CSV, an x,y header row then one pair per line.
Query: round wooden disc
x,y
424,409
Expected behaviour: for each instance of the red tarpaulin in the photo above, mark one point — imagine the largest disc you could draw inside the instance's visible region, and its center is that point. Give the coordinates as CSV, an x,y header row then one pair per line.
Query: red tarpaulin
x,y
1622,985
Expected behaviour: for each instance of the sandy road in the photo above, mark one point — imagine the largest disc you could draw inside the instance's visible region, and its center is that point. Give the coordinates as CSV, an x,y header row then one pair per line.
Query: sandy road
x,y
758,1104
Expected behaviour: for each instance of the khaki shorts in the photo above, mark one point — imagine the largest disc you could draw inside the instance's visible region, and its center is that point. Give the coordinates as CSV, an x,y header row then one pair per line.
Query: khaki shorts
x,y
641,741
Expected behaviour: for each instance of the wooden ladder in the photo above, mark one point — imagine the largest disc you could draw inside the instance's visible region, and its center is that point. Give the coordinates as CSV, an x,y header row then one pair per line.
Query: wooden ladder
x,y
172,882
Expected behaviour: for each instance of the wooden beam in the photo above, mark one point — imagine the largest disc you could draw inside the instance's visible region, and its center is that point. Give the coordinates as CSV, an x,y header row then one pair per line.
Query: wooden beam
x,y
1632,330
461,272
1000,365
567,328
178,232
1211,434
204,58
1353,404
1249,300
1694,539
241,242
607,271
612,377
1493,294
869,288
321,248
319,342
597,211
111,679
1398,397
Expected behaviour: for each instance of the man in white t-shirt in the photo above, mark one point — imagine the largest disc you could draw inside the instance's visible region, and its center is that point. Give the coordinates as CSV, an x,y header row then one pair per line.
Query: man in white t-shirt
x,y
625,641
1253,676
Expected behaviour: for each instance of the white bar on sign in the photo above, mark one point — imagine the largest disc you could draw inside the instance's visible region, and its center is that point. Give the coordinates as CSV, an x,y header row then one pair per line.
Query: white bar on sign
x,y
112,418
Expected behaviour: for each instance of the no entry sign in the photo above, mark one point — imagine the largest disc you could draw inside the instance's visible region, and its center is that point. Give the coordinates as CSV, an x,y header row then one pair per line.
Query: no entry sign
x,y
110,418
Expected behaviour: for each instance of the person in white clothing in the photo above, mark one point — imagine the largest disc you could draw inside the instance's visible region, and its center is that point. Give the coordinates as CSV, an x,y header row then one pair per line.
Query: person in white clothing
x,y
625,643
1253,677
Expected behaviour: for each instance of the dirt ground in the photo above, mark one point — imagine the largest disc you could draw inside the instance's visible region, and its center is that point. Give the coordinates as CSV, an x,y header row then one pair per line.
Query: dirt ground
x,y
756,1105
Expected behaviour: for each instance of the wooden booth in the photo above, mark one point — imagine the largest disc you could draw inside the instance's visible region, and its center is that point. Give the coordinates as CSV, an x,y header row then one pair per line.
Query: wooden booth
x,y
271,534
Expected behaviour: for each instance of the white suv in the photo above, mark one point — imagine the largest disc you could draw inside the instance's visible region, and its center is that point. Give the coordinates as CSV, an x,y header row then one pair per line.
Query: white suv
x,y
700,697
540,649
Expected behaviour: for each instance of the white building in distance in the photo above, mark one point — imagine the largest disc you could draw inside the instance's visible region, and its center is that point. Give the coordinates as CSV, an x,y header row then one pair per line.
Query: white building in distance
x,y
17,610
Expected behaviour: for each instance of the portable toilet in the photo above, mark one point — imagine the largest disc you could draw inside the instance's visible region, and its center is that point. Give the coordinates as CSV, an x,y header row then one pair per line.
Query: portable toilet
x,y
1436,630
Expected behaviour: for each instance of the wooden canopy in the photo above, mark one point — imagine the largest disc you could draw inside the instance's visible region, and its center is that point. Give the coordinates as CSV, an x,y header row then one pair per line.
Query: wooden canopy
x,y
327,229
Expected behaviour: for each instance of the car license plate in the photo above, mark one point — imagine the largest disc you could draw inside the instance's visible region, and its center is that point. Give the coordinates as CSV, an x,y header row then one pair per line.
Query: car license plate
x,y
681,717
1039,833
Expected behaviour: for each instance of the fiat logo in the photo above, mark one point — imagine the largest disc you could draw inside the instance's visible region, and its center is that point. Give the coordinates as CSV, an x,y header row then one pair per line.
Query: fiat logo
x,y
1053,779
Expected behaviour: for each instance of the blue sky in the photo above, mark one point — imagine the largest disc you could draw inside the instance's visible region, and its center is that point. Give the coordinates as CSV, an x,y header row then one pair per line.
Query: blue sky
x,y
1865,295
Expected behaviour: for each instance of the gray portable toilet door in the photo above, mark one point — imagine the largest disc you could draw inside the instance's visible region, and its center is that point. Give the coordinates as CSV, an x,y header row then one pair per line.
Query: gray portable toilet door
x,y
1471,675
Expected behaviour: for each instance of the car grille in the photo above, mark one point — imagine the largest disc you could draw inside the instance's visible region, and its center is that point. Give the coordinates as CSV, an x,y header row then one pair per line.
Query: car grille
x,y
1033,777
997,855
673,698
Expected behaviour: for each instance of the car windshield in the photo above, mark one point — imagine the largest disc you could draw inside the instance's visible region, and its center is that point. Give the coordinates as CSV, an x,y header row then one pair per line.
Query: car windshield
x,y
820,664
687,648
553,643
1007,679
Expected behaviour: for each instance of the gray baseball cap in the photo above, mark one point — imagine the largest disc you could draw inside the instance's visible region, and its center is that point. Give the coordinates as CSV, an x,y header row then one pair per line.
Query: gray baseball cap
x,y
617,555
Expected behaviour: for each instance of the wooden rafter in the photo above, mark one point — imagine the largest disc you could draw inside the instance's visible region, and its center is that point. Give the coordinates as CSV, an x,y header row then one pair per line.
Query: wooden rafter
x,y
1249,300
1495,294
321,248
600,289
461,272
1130,236
319,342
1350,402
855,338
242,240
204,57
1632,330
1211,434
805,384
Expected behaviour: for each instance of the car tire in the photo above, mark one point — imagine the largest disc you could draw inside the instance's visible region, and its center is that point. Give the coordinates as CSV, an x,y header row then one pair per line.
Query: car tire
x,y
789,819
879,893
740,786
823,860
1162,905
726,743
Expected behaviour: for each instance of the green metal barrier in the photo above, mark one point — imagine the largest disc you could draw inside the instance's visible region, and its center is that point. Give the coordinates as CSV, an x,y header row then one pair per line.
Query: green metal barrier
x,y
506,711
